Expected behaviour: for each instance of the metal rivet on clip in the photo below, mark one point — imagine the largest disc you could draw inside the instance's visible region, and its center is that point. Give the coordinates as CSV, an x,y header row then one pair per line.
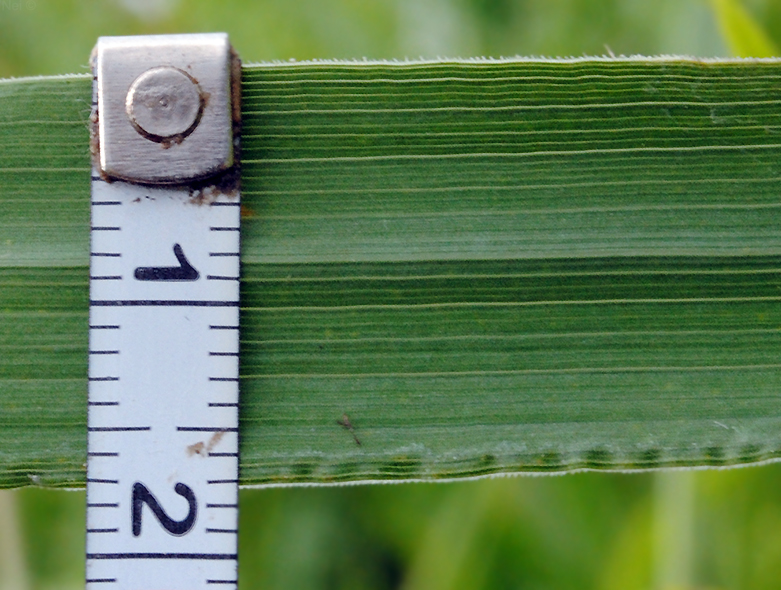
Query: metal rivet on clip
x,y
164,104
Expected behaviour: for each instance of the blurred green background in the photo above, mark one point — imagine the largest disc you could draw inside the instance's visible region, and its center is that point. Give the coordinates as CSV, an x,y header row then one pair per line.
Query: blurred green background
x,y
672,530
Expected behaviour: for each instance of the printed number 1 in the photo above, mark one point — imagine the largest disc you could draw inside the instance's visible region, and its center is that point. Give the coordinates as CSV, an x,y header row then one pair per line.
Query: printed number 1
x,y
142,495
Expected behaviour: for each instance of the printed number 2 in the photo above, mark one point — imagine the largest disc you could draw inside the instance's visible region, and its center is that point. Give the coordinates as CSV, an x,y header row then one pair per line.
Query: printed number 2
x,y
142,495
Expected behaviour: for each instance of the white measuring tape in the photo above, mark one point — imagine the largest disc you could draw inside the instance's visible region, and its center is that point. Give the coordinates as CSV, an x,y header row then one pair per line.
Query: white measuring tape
x,y
162,468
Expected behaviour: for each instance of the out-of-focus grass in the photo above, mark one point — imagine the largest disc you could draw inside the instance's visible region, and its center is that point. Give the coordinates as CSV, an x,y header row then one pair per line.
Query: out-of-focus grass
x,y
715,529
585,531
56,36
745,36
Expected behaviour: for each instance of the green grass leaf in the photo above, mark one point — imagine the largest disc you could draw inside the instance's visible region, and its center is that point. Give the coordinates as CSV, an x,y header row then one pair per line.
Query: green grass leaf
x,y
490,267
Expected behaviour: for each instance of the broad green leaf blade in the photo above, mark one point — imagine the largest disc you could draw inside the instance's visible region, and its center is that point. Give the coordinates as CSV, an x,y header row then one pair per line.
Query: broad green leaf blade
x,y
489,267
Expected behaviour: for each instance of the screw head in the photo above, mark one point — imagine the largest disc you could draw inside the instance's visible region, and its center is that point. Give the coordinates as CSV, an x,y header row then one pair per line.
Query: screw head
x,y
164,104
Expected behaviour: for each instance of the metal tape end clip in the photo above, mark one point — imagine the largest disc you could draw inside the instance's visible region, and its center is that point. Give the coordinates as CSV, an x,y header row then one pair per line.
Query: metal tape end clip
x,y
166,108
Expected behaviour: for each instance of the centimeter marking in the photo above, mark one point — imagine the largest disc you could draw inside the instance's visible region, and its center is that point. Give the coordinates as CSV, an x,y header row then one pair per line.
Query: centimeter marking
x,y
162,465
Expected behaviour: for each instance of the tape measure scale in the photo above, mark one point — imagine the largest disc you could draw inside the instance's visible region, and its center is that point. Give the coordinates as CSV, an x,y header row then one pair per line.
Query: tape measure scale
x,y
162,468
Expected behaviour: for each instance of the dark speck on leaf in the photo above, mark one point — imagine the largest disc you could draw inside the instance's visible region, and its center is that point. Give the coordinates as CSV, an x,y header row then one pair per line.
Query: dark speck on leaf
x,y
345,423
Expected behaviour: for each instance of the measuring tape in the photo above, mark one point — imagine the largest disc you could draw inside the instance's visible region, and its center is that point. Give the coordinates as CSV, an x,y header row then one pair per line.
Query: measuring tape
x,y
162,466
